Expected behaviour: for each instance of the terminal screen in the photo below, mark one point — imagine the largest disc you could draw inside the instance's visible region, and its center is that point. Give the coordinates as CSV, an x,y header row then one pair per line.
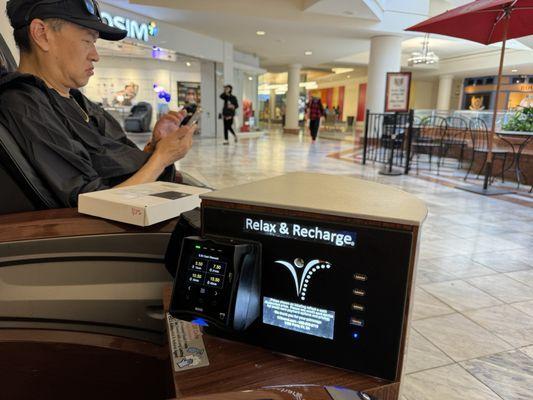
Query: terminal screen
x,y
206,269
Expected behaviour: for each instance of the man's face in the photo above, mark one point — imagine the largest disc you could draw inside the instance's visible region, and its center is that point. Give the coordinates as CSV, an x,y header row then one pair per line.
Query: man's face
x,y
73,53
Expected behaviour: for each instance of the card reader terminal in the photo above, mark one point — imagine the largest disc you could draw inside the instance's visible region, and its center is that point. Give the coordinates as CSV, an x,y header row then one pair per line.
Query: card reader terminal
x,y
218,282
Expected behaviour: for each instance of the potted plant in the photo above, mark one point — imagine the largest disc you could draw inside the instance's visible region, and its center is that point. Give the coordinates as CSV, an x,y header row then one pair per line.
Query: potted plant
x,y
521,121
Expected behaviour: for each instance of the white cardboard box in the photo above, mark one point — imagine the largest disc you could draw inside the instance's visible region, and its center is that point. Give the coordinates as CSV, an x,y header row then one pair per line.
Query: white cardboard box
x,y
141,205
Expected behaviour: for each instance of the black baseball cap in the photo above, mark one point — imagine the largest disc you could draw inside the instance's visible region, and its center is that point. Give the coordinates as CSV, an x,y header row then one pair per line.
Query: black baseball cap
x,y
85,13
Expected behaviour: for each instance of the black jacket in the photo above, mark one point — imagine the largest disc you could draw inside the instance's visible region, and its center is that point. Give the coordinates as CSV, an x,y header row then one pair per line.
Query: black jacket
x,y
229,99
72,156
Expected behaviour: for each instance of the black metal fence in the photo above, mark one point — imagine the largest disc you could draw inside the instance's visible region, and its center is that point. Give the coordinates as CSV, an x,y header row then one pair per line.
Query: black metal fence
x,y
387,140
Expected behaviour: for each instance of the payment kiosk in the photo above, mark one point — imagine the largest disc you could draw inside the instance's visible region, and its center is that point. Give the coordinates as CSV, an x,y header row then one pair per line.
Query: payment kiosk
x,y
312,266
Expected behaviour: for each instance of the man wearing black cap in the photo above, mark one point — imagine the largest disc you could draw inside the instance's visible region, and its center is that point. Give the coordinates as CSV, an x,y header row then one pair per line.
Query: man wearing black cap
x,y
74,144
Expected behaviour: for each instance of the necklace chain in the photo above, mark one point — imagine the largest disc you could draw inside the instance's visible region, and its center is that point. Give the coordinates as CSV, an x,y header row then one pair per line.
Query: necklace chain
x,y
83,113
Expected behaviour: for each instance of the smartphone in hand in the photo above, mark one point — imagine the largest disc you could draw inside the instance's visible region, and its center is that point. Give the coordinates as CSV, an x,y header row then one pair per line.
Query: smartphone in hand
x,y
193,118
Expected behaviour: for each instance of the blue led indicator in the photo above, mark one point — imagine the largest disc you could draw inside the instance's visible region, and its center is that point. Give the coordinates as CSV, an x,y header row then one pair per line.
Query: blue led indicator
x,y
200,321
355,335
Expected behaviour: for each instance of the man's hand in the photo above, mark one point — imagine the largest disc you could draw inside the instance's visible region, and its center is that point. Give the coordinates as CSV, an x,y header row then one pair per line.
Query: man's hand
x,y
171,147
167,124
174,145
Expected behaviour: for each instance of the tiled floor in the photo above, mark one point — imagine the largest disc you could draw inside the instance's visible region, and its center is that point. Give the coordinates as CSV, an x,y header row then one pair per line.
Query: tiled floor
x,y
472,324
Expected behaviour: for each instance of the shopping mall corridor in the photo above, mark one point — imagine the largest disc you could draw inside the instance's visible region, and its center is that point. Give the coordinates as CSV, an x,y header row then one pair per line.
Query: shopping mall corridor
x,y
472,323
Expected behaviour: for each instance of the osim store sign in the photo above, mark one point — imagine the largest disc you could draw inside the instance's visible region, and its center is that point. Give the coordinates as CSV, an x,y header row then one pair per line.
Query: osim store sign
x,y
136,30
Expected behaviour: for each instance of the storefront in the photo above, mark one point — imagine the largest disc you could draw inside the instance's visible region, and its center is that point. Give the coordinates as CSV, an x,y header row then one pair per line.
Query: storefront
x,y
151,66
480,93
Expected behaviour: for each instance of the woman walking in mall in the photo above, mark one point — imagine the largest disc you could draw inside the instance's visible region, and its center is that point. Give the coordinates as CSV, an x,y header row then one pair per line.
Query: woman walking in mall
x,y
314,112
228,112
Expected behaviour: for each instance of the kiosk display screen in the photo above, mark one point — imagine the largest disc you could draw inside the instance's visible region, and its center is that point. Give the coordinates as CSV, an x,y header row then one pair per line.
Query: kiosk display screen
x,y
298,317
333,293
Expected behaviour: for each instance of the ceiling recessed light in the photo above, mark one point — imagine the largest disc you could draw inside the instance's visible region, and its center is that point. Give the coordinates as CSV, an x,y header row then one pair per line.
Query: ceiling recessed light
x,y
514,70
308,53
260,33
250,78
188,64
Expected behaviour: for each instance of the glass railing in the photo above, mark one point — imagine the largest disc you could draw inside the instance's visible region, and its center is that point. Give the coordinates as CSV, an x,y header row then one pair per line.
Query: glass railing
x,y
501,118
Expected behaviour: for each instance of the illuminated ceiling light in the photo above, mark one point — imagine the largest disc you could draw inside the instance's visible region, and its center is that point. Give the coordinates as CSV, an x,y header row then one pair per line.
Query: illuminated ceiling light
x,y
341,70
188,64
308,53
424,56
348,77
250,78
514,70
260,33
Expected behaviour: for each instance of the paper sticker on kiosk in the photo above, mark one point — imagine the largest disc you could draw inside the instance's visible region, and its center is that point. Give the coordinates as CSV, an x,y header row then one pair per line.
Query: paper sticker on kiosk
x,y
301,232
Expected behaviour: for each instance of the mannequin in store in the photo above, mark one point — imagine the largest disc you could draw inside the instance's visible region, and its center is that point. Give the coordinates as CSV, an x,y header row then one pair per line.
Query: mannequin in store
x,y
73,144
228,112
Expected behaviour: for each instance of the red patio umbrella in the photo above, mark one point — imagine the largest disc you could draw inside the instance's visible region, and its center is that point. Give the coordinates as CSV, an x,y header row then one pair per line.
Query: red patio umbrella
x,y
484,21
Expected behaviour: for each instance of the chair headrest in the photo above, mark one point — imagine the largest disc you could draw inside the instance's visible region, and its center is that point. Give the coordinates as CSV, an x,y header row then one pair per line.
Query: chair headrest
x,y
13,161
7,62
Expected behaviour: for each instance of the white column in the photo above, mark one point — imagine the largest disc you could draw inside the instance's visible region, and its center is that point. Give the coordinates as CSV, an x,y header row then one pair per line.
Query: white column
x,y
238,92
445,92
293,92
228,70
255,90
208,99
272,104
385,56
228,64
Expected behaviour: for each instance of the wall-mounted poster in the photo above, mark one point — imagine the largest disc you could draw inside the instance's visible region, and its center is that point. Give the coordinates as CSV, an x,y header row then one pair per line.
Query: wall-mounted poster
x,y
398,91
189,92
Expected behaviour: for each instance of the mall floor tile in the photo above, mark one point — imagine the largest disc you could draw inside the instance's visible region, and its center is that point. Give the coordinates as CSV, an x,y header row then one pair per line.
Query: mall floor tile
x,y
476,254
508,374
526,276
459,337
425,305
457,267
461,295
503,288
506,322
423,354
450,382
526,307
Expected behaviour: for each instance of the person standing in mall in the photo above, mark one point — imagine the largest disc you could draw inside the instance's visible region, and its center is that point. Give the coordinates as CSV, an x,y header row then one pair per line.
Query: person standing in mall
x,y
228,112
315,111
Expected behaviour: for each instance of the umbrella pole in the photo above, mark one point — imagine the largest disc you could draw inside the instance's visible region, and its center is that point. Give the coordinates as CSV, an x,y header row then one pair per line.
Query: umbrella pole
x,y
488,169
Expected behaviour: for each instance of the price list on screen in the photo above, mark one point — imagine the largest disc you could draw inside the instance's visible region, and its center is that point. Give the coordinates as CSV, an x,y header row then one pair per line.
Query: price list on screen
x,y
208,273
